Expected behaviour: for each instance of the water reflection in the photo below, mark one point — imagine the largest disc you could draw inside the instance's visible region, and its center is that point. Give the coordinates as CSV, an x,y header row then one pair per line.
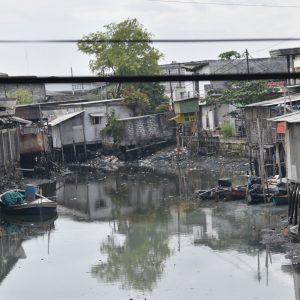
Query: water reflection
x,y
154,221
13,232
138,262
105,197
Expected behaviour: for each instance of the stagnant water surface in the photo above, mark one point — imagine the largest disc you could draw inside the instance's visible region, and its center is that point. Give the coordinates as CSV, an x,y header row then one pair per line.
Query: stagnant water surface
x,y
135,234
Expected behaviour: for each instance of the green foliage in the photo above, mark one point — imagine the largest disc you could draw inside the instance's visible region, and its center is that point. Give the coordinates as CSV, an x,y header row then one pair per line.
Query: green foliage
x,y
230,55
241,93
136,100
155,93
121,58
125,58
23,96
227,129
138,262
164,107
113,127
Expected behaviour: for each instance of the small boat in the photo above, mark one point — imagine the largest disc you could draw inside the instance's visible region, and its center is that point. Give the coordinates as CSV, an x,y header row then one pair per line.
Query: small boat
x,y
15,202
237,194
280,199
205,194
255,198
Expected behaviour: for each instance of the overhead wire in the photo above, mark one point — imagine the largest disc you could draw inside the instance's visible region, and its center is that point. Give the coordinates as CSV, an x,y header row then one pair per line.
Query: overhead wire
x,y
222,67
178,40
267,48
148,78
227,4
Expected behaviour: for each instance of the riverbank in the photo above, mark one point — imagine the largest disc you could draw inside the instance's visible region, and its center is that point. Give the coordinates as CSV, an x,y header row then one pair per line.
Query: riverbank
x,y
169,159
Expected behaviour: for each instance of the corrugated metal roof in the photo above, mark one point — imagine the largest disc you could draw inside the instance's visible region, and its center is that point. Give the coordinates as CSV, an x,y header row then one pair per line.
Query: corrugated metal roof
x,y
92,102
20,120
276,101
289,118
64,118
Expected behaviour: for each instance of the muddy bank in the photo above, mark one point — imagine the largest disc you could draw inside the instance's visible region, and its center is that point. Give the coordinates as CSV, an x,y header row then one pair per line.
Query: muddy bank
x,y
169,160
10,179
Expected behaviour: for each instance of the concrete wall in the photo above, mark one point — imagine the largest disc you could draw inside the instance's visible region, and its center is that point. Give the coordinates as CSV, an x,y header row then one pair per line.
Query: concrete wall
x,y
37,90
144,129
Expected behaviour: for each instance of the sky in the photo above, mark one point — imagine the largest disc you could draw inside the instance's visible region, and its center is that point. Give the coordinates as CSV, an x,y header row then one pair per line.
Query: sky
x,y
165,19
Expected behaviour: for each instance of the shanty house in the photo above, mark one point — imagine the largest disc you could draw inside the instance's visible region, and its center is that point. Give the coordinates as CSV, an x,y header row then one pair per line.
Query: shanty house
x,y
262,132
292,144
94,116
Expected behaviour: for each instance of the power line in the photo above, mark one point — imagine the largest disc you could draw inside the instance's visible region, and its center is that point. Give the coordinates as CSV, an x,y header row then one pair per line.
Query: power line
x,y
281,42
115,41
148,78
226,4
230,62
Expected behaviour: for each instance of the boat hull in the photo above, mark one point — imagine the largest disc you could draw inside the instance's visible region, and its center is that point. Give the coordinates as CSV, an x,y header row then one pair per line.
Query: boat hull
x,y
255,198
280,200
30,210
41,206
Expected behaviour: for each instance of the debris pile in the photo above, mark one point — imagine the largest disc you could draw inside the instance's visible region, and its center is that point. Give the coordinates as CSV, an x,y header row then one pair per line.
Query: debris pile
x,y
109,162
170,158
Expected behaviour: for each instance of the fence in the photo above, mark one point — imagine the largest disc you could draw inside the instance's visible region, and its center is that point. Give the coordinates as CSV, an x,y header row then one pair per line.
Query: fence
x,y
9,148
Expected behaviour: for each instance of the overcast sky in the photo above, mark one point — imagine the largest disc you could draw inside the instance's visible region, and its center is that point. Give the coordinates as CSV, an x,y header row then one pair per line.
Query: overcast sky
x,y
71,19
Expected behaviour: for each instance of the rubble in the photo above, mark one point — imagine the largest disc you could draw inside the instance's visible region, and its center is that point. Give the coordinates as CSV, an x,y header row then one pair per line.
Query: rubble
x,y
105,162
170,158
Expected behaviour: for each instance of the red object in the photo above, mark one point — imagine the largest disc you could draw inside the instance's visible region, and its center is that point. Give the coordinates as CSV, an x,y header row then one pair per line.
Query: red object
x,y
281,127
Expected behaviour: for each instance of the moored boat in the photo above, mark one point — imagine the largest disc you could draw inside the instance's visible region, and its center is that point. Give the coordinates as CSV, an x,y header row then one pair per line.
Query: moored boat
x,y
15,202
280,199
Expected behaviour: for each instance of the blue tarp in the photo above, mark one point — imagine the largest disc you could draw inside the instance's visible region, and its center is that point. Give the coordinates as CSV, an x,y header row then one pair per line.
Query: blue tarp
x,y
13,198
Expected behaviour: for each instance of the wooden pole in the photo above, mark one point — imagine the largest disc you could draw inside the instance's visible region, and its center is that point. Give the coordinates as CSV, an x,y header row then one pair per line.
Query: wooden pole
x,y
74,149
261,156
250,160
296,208
291,194
178,142
84,136
277,154
293,204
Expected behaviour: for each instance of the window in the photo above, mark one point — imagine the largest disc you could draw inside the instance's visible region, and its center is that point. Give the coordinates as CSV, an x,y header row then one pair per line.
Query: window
x,y
96,120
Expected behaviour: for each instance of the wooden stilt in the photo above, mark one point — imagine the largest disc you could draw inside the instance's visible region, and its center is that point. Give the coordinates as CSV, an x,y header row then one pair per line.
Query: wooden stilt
x,y
296,209
293,204
75,153
278,162
291,194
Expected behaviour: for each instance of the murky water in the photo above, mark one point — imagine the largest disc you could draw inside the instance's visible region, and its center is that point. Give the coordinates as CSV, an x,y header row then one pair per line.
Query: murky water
x,y
135,234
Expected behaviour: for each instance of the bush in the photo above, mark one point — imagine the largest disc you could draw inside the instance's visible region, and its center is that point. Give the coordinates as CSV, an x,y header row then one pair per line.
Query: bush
x,y
113,127
227,129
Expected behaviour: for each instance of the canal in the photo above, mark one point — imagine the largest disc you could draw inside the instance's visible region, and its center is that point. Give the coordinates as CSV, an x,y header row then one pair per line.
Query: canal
x,y
137,234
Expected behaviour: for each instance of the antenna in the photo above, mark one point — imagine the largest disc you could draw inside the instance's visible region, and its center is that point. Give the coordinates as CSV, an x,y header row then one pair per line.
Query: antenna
x,y
27,61
73,92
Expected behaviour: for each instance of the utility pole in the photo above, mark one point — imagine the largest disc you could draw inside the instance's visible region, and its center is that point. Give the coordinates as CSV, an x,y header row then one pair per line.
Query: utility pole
x,y
171,90
247,60
73,92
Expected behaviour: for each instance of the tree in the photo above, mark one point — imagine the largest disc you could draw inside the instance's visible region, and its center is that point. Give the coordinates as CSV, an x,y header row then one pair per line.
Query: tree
x,y
229,55
241,93
136,100
23,96
124,57
139,261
